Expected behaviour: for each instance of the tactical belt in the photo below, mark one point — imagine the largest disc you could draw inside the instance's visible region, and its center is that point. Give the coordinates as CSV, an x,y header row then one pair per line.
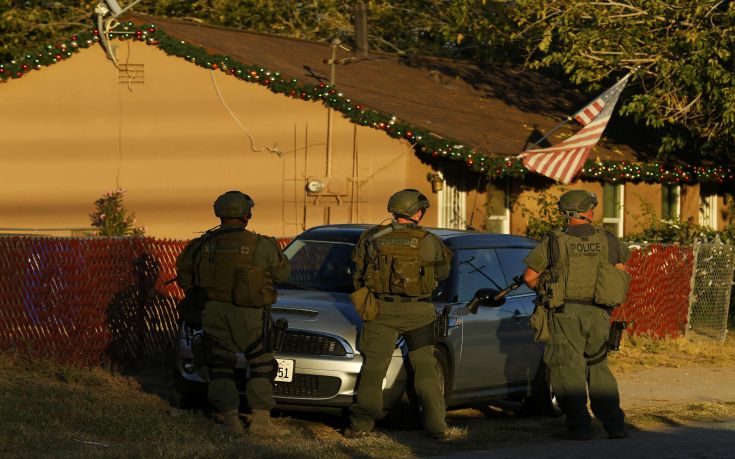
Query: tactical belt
x,y
587,302
582,301
402,299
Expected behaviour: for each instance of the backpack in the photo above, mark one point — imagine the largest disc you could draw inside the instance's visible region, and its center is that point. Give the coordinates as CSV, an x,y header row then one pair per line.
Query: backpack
x,y
396,266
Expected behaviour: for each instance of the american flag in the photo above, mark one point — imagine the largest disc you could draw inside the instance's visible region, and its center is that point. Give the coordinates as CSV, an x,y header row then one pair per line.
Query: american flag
x,y
562,162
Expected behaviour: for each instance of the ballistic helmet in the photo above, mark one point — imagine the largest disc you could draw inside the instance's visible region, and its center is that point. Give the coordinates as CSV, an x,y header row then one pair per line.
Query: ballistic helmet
x,y
407,202
233,204
573,202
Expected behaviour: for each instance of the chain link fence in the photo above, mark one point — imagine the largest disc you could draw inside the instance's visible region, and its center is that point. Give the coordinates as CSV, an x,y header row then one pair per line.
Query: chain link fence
x,y
93,300
711,287
658,299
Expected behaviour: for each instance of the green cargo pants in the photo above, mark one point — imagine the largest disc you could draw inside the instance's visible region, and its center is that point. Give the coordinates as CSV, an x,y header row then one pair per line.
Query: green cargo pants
x,y
573,357
377,342
229,329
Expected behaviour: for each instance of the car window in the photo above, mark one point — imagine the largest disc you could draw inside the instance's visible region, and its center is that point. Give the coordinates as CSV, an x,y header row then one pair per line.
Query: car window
x,y
320,265
474,269
511,259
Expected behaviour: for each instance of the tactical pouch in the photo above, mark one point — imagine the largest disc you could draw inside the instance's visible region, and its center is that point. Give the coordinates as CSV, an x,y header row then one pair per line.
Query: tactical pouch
x,y
405,276
365,303
611,286
253,287
540,323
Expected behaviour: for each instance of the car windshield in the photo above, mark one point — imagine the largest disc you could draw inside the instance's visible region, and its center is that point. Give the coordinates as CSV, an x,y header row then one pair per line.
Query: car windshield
x,y
320,265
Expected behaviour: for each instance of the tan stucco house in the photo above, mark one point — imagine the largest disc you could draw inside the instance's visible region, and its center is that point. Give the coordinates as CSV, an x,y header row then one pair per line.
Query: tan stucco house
x,y
186,111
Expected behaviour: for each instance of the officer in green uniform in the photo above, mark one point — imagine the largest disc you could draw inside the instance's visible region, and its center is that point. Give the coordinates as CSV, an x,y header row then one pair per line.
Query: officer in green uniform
x,y
233,271
576,354
400,264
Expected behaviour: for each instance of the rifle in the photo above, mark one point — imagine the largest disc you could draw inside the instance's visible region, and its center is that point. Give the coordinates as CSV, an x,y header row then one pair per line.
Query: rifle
x,y
492,298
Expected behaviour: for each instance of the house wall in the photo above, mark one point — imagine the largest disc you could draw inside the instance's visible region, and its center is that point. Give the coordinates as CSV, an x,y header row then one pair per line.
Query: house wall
x,y
640,200
77,129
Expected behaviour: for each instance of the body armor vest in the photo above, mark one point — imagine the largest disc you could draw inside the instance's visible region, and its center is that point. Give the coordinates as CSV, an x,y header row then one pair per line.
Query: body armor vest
x,y
582,258
396,266
224,270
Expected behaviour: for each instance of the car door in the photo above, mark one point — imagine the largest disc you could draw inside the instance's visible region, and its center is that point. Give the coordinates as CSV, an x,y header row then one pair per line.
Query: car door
x,y
522,355
482,362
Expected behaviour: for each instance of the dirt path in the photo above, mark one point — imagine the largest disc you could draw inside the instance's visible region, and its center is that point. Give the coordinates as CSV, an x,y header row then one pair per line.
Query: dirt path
x,y
651,387
666,386
711,441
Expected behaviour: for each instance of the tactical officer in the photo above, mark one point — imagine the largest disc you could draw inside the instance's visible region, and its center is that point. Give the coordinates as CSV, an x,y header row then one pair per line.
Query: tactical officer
x,y
576,353
400,263
235,269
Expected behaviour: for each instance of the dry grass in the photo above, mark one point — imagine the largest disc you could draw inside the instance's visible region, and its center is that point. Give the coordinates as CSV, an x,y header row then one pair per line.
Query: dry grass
x,y
637,352
60,411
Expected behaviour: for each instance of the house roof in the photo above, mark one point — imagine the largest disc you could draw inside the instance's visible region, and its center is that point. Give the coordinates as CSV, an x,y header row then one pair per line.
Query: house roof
x,y
491,109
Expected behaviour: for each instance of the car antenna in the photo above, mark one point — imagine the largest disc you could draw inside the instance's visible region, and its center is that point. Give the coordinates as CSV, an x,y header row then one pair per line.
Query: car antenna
x,y
474,204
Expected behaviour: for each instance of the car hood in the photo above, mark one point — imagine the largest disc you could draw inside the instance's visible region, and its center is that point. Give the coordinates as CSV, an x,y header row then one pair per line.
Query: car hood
x,y
324,312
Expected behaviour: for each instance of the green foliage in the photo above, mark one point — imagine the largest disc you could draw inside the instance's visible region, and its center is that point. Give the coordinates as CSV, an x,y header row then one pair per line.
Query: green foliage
x,y
656,230
546,216
111,217
685,50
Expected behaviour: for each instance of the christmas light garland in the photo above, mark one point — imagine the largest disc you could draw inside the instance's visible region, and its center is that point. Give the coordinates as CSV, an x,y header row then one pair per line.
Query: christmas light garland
x,y
425,142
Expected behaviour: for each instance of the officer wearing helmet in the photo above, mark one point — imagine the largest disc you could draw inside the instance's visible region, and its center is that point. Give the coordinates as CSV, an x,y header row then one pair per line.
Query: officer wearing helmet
x,y
401,264
232,270
576,353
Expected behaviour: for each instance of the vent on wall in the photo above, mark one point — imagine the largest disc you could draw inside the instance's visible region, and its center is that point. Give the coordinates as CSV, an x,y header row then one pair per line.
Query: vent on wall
x,y
131,74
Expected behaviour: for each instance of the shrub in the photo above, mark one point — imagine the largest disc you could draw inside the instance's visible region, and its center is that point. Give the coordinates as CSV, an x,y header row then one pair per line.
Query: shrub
x,y
111,217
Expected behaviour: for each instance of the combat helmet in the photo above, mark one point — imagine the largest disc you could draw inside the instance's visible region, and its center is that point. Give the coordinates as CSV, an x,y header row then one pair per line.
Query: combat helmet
x,y
407,202
573,202
233,204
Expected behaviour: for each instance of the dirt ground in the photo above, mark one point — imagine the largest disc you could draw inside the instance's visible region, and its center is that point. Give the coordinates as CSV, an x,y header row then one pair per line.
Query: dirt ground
x,y
661,386
668,386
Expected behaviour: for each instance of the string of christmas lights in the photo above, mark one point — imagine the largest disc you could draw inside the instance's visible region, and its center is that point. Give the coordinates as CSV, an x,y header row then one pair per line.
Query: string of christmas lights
x,y
425,142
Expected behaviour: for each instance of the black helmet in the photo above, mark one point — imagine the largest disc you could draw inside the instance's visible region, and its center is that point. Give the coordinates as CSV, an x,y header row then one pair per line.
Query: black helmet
x,y
233,204
573,202
407,202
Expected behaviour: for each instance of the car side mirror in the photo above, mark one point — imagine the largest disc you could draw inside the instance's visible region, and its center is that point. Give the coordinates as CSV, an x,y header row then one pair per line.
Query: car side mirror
x,y
485,297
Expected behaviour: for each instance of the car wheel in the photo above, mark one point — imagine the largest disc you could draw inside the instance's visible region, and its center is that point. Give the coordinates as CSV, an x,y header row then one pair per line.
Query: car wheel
x,y
190,395
542,400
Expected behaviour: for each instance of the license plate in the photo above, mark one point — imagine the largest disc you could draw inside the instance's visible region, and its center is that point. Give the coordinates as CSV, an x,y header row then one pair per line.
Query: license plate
x,y
285,370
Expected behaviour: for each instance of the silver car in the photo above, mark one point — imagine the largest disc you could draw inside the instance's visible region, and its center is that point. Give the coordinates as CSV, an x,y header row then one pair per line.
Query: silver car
x,y
485,357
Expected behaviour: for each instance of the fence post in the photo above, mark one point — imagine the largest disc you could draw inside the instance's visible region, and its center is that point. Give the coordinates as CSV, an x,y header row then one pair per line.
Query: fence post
x,y
692,283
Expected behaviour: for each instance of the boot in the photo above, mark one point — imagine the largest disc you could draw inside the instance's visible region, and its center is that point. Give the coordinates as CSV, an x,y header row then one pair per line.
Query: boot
x,y
261,425
232,424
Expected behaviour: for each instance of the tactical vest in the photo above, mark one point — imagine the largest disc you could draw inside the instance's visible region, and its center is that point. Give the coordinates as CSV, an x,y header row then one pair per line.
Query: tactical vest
x,y
224,270
582,256
396,266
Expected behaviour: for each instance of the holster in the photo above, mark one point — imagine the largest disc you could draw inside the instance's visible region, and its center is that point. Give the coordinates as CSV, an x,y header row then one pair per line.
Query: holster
x,y
441,324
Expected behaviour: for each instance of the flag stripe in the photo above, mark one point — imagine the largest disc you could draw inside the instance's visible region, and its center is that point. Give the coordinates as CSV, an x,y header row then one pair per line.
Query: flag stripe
x,y
563,161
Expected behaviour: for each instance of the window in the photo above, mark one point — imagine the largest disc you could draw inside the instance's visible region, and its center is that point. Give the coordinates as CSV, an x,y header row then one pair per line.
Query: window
x,y
511,260
475,269
320,265
453,200
670,202
498,207
612,208
707,207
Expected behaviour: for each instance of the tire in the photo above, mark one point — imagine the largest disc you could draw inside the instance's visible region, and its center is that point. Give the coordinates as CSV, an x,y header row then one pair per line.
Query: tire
x,y
190,395
541,401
